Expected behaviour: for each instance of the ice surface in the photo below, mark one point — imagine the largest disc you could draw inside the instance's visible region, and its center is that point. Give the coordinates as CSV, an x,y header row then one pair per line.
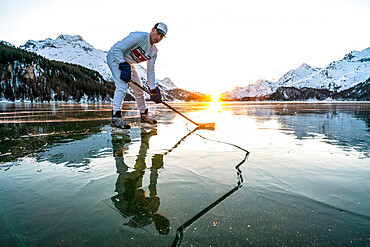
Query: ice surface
x,y
66,179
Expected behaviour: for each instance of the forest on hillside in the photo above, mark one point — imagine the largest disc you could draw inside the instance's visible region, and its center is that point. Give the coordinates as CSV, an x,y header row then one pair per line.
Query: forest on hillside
x,y
26,76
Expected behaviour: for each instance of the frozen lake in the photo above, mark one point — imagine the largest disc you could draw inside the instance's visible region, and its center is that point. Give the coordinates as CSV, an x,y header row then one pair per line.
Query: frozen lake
x,y
270,174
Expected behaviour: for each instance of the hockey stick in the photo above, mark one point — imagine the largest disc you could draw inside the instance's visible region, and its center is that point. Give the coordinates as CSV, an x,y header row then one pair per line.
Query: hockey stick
x,y
210,126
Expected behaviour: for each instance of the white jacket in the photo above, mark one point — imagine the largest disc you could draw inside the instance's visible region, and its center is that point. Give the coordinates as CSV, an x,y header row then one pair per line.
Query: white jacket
x,y
136,48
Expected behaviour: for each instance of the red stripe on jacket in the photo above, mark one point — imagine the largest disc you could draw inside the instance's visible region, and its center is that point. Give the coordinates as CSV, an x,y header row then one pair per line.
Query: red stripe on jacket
x,y
139,55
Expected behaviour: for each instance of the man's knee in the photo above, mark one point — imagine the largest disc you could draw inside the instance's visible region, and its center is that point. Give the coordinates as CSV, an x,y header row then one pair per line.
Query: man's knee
x,y
121,87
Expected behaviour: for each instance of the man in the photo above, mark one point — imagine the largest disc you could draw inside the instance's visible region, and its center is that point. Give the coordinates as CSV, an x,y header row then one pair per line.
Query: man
x,y
121,58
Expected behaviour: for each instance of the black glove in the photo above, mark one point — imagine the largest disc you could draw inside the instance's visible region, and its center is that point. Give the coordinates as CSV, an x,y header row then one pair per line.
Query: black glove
x,y
125,71
155,95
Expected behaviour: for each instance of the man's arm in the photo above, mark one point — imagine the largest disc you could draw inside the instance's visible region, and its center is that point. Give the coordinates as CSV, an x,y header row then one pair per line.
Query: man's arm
x,y
123,46
150,72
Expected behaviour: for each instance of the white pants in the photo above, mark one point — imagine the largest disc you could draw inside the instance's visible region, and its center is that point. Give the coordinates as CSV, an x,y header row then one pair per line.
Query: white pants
x,y
122,86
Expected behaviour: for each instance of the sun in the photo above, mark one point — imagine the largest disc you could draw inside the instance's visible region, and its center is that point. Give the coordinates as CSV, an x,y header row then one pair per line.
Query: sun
x,y
215,97
215,104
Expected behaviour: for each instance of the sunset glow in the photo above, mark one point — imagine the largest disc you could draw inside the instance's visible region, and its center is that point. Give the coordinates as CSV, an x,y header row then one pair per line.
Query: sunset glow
x,y
215,97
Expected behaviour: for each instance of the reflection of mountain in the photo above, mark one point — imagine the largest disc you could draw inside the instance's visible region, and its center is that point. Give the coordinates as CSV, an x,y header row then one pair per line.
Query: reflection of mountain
x,y
342,124
69,134
77,153
21,139
59,129
338,123
341,129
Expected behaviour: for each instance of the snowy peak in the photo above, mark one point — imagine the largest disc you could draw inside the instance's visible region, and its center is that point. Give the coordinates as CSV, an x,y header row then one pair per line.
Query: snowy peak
x,y
167,83
75,41
71,49
358,56
337,76
71,39
257,89
295,75
63,41
6,43
305,70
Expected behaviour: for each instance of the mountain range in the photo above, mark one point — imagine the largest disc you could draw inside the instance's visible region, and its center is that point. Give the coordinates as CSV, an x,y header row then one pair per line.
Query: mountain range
x,y
337,80
346,79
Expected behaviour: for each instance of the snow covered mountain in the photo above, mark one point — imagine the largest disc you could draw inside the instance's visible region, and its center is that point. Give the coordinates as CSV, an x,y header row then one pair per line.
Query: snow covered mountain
x,y
75,50
260,88
6,43
29,77
295,75
337,76
71,49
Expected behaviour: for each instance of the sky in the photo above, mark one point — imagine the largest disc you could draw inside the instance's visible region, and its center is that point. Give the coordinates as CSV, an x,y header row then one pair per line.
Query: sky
x,y
211,46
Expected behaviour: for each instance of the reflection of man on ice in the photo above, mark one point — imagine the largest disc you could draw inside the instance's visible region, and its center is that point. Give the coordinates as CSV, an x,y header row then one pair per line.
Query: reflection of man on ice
x,y
131,199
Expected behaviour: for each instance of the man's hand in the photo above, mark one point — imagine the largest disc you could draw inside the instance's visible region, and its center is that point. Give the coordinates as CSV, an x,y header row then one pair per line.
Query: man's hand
x,y
155,95
125,71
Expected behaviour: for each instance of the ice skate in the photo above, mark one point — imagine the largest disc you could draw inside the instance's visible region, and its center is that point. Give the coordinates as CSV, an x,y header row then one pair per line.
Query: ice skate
x,y
118,123
146,119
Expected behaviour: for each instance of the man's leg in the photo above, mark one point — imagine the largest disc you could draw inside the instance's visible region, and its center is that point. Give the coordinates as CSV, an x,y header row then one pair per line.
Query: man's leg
x,y
119,94
139,95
